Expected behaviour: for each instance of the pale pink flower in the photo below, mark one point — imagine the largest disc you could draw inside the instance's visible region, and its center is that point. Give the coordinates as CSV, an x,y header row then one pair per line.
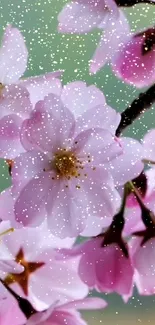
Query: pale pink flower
x,y
66,314
66,172
81,16
45,278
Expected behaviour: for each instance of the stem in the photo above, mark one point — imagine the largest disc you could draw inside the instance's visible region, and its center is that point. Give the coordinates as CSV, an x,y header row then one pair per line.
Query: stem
x,y
136,108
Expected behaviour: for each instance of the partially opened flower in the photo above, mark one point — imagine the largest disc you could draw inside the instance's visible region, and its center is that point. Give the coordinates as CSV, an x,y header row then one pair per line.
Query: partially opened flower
x,y
132,56
135,62
106,268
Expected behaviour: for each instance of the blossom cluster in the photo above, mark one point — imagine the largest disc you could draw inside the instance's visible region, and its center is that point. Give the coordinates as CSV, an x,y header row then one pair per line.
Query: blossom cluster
x,y
73,174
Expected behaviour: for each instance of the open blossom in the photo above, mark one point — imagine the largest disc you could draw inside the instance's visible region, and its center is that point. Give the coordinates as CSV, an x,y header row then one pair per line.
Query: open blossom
x,y
68,170
34,249
64,173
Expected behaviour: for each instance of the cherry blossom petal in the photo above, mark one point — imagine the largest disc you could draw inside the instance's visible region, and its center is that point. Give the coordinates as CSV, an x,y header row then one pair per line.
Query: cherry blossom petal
x,y
117,31
10,145
79,98
149,145
128,165
77,200
27,166
95,225
29,205
7,206
87,303
41,86
13,56
97,144
81,16
15,100
71,317
89,107
50,126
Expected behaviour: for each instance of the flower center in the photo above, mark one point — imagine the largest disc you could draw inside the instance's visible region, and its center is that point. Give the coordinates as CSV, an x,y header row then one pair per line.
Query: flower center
x,y
65,164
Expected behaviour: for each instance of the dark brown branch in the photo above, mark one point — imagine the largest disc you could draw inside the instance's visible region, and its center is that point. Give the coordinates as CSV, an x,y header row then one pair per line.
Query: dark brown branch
x,y
136,108
130,3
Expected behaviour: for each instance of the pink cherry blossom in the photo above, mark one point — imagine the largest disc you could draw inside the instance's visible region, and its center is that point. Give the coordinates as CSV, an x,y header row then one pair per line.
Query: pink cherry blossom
x,y
45,278
135,62
104,268
82,184
84,15
80,128
67,313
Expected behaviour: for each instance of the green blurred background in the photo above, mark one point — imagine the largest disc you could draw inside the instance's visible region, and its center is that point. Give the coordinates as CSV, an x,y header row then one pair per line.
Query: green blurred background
x,y
49,51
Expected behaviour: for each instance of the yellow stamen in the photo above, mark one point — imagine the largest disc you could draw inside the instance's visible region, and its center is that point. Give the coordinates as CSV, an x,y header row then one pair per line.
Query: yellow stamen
x,y
6,231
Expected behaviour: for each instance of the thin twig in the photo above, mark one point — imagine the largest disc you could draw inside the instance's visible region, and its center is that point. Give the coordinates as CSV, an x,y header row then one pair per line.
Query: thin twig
x,y
136,108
